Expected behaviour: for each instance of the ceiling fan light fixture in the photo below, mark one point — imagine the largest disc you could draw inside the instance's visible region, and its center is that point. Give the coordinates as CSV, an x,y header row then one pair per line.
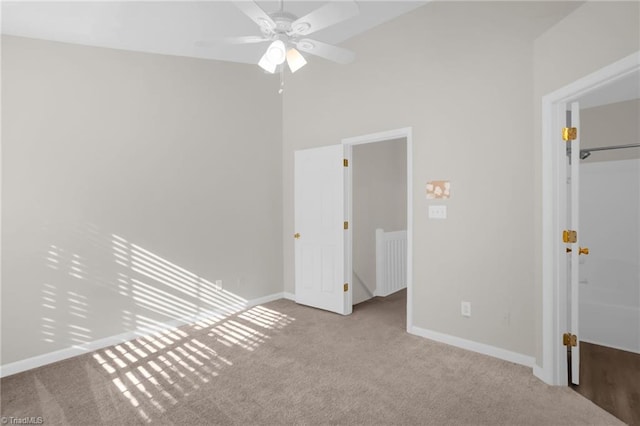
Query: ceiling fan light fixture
x,y
266,64
276,52
295,60
287,33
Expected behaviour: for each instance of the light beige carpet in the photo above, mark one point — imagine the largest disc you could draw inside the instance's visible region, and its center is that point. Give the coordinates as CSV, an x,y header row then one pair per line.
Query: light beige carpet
x,y
282,363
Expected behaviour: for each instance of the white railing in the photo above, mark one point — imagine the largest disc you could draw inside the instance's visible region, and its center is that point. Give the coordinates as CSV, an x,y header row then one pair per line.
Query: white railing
x,y
391,262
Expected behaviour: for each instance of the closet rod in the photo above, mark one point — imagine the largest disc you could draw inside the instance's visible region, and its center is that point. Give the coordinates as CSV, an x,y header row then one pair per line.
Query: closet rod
x,y
584,153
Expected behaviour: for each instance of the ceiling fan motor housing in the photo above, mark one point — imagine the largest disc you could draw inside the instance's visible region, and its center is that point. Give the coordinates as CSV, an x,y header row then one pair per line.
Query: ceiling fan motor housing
x,y
283,21
285,27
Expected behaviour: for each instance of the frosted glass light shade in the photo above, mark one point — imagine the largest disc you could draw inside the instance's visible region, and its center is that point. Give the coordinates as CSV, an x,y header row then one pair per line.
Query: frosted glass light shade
x,y
266,64
276,52
295,60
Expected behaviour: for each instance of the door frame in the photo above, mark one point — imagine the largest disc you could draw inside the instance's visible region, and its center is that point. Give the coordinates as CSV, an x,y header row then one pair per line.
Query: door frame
x,y
401,133
554,286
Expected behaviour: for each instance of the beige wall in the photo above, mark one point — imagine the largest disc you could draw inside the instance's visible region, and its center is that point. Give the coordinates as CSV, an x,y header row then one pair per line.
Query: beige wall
x,y
379,201
153,149
612,124
593,36
461,74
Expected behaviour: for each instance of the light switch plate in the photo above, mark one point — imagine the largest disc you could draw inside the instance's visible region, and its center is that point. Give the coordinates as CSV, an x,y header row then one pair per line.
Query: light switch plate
x,y
437,212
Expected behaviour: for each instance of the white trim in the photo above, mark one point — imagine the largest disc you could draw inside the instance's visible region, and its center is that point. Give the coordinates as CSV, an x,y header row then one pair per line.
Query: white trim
x,y
62,354
264,299
347,151
401,133
409,136
554,366
289,296
470,345
404,132
540,373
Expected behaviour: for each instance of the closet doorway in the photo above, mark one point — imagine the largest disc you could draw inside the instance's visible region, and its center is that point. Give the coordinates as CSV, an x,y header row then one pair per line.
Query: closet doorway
x,y
609,275
591,278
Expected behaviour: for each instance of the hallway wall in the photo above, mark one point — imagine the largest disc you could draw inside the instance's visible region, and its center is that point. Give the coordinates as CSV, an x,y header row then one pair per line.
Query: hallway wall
x,y
379,201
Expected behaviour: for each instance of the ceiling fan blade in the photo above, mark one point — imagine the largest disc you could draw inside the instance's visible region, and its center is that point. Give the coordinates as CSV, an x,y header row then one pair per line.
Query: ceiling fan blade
x,y
325,16
256,13
324,50
231,40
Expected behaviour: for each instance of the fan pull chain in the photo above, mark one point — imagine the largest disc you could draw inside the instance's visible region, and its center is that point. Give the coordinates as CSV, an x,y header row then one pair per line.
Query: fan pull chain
x,y
281,80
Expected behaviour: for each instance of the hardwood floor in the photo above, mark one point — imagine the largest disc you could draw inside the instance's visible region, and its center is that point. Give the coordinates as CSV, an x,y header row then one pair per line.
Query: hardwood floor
x,y
611,379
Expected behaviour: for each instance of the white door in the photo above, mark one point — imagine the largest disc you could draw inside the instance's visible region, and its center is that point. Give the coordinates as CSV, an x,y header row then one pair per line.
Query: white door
x,y
573,220
320,214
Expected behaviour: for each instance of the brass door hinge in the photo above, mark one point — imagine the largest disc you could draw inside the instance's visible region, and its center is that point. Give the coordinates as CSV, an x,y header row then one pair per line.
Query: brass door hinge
x,y
569,133
346,287
569,339
345,162
569,236
346,225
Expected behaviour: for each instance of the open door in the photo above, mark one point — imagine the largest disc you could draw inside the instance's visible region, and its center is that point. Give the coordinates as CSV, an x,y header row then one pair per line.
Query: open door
x,y
573,237
320,215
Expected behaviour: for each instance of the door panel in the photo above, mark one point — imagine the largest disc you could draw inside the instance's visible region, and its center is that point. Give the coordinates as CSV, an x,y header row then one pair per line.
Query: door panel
x,y
319,178
574,224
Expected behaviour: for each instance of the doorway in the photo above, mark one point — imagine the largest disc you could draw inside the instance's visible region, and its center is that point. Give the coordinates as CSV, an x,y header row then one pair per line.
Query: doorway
x,y
360,255
323,212
379,193
615,83
609,296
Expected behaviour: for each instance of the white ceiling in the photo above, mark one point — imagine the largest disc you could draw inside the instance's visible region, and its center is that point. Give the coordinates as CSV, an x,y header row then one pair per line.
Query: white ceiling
x,y
174,27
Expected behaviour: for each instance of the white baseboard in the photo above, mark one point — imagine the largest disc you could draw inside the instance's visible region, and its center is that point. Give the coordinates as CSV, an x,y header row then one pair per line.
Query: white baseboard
x,y
265,299
542,374
470,345
59,355
289,296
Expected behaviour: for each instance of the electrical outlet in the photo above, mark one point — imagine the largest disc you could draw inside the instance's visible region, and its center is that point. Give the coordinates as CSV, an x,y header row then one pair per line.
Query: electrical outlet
x,y
465,309
218,285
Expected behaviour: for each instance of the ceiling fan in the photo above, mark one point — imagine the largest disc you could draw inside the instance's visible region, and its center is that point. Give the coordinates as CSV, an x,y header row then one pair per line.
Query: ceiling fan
x,y
288,34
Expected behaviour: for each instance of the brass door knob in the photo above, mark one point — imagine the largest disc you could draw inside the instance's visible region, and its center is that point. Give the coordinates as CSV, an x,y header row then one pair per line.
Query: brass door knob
x,y
581,250
296,235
